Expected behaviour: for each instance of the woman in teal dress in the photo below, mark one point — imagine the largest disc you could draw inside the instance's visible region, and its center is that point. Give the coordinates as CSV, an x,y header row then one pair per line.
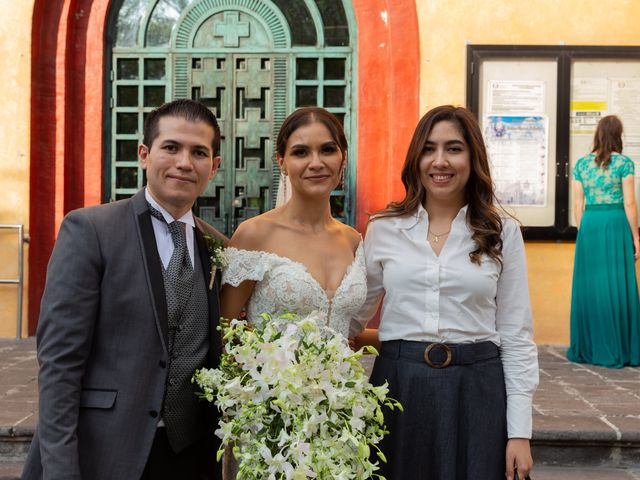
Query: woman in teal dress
x,y
605,309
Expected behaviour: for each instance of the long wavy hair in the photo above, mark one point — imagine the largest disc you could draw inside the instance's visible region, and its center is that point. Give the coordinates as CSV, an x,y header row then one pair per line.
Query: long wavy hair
x,y
607,139
483,217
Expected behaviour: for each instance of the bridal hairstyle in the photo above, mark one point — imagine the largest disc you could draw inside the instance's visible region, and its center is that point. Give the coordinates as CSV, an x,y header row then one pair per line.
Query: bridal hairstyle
x,y
306,116
483,216
607,139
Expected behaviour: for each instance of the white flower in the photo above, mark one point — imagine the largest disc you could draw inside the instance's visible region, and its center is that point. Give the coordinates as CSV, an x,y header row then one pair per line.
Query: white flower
x,y
295,401
222,257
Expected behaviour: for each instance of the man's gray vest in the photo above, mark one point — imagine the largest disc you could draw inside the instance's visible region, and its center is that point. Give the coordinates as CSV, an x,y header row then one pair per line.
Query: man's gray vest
x,y
188,348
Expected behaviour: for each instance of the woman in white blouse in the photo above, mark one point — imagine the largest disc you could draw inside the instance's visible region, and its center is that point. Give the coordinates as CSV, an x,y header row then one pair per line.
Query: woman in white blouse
x,y
456,327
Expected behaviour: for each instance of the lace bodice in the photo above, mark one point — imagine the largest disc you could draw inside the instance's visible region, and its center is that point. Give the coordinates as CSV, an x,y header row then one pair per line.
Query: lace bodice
x,y
603,186
286,285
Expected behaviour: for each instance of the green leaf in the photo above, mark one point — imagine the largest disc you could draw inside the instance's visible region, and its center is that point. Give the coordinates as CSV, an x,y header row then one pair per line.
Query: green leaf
x,y
371,350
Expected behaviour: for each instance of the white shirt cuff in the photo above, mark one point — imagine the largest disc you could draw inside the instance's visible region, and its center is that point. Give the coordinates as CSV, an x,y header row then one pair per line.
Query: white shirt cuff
x,y
519,416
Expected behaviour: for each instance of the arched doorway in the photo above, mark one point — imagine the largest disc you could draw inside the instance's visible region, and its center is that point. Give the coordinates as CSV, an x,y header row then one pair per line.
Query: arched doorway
x,y
251,62
71,86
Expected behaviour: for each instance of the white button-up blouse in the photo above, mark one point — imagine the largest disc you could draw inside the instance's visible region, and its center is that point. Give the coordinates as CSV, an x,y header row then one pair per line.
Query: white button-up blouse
x,y
448,298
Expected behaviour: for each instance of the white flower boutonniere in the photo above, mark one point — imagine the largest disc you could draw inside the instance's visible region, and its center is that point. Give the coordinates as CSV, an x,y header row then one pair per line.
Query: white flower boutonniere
x,y
217,256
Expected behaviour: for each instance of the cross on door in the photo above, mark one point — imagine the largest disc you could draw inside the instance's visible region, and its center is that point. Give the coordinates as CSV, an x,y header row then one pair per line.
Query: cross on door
x,y
252,127
232,29
254,77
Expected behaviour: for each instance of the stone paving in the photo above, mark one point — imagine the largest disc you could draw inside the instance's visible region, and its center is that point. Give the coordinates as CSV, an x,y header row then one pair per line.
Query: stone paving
x,y
585,402
18,387
575,404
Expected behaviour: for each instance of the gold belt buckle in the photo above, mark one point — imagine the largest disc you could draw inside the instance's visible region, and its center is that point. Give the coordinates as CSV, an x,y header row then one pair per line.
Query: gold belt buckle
x,y
441,346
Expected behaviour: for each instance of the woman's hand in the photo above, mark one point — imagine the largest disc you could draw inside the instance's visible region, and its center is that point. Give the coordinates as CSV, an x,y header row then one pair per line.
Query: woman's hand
x,y
636,248
519,455
369,336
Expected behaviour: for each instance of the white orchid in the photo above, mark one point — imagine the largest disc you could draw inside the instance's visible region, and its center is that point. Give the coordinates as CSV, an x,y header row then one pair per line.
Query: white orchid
x,y
295,401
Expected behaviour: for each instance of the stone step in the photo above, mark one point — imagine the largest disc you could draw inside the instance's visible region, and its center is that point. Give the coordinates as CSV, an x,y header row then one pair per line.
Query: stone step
x,y
587,440
10,470
544,472
14,446
13,470
572,452
551,455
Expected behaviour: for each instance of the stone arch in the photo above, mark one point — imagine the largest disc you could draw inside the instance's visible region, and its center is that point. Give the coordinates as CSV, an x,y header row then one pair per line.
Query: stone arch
x,y
192,18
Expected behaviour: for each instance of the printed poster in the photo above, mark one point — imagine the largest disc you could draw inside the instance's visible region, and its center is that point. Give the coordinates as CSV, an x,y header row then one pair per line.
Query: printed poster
x,y
589,103
518,153
625,103
515,97
594,98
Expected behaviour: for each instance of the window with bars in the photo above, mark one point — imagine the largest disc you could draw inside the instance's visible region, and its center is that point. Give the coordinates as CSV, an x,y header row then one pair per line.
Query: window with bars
x,y
139,85
322,80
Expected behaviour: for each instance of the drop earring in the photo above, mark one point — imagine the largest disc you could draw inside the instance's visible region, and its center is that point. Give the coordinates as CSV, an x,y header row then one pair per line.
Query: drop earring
x,y
284,189
281,196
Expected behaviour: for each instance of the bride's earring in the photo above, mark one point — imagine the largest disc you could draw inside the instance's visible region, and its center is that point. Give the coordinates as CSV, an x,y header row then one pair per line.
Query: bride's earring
x,y
283,175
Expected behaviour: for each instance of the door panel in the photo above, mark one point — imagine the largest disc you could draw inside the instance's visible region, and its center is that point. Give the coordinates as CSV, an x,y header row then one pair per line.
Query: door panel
x,y
238,88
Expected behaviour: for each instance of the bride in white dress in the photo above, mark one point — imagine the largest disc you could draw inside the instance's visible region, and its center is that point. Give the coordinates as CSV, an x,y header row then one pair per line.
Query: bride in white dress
x,y
297,257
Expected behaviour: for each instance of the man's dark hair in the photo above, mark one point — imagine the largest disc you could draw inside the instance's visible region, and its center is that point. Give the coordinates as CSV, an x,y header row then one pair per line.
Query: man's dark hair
x,y
190,110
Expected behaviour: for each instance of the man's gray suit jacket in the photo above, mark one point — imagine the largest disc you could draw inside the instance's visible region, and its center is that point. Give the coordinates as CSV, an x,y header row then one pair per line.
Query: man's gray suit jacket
x,y
102,347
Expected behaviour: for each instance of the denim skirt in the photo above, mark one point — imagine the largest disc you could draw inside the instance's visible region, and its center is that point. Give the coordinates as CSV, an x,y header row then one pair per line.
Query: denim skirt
x,y
454,422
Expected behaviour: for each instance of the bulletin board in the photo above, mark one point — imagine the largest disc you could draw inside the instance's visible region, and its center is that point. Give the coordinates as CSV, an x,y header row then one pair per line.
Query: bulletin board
x,y
518,120
538,107
600,88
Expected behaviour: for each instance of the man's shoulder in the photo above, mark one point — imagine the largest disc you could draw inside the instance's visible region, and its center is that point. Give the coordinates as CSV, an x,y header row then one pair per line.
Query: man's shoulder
x,y
207,229
106,214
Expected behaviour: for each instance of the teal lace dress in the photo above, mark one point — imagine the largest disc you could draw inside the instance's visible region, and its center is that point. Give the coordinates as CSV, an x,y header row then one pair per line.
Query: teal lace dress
x,y
605,309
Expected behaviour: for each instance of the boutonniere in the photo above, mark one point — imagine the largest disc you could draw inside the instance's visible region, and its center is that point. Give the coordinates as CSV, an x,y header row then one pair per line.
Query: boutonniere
x,y
217,256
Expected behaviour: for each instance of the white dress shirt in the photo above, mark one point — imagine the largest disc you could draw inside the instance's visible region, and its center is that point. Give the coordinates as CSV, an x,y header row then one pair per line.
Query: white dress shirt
x,y
164,242
448,298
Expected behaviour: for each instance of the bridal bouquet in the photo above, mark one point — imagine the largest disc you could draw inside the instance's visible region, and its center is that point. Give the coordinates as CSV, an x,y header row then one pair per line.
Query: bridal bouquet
x,y
295,401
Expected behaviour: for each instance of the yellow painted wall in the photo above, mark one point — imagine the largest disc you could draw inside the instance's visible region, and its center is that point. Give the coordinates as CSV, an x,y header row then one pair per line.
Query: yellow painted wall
x,y
15,79
446,27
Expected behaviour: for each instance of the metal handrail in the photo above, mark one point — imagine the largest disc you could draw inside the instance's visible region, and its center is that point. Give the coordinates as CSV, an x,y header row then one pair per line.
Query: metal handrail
x,y
17,281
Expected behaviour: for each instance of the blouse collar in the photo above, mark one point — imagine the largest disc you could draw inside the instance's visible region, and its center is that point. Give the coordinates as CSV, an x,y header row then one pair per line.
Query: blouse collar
x,y
420,214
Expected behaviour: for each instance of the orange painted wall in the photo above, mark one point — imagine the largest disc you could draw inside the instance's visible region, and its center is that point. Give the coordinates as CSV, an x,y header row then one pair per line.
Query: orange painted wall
x,y
93,89
388,79
66,123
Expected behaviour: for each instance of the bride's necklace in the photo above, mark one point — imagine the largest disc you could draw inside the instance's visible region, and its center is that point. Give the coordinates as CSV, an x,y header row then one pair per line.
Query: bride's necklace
x,y
436,236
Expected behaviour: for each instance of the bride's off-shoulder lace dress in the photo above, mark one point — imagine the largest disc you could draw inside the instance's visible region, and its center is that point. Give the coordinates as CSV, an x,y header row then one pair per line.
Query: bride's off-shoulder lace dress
x,y
284,285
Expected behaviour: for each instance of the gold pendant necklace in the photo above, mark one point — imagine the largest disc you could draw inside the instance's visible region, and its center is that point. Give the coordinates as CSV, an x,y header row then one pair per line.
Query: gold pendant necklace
x,y
436,237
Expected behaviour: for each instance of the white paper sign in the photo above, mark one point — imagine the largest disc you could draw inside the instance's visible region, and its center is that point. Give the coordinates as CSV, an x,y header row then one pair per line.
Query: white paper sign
x,y
518,153
589,103
515,97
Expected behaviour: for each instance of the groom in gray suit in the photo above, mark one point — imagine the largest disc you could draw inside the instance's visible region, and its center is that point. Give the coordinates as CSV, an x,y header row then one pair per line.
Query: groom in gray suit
x,y
128,313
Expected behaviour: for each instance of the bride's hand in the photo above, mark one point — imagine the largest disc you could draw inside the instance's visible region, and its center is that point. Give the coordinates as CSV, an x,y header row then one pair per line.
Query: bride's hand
x,y
352,343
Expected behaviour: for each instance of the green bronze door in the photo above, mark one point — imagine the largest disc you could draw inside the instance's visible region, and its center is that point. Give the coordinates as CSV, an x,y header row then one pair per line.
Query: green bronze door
x,y
251,62
238,88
